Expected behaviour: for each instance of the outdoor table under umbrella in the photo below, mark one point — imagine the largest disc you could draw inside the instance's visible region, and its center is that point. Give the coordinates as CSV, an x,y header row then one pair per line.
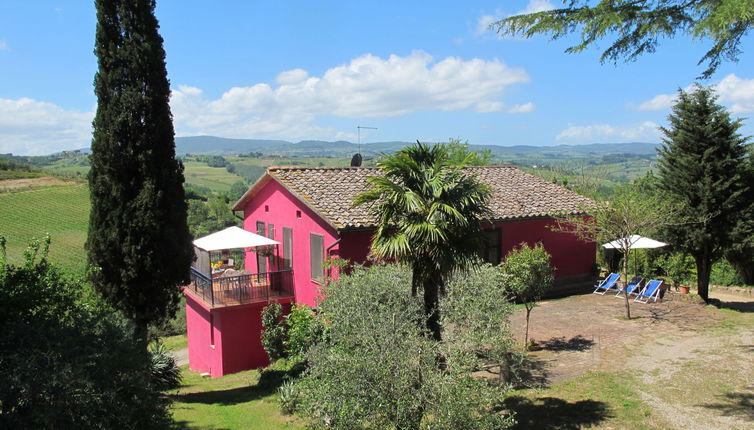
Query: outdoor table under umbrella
x,y
234,287
634,242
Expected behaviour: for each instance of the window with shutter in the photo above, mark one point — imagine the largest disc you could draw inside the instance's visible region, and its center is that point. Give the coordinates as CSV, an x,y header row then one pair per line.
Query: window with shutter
x,y
317,257
287,248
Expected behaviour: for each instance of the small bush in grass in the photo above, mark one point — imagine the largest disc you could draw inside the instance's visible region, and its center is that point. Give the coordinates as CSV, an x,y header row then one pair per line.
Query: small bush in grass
x,y
166,375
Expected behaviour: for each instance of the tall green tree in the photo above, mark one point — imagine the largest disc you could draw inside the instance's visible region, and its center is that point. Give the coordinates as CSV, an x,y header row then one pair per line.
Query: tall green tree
x,y
638,25
429,216
139,246
702,168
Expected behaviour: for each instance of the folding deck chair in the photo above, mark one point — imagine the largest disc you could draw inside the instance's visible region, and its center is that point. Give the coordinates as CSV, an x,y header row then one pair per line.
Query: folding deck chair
x,y
650,292
634,286
607,284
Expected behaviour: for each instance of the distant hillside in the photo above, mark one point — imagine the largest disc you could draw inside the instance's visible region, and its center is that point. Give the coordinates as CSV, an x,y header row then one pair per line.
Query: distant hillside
x,y
211,145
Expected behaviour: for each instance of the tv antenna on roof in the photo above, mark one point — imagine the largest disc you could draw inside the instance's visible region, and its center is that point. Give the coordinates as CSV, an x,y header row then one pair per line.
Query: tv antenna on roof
x,y
359,127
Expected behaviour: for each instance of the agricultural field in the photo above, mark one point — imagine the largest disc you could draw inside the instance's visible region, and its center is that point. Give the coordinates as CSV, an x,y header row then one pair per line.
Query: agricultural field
x,y
217,179
61,210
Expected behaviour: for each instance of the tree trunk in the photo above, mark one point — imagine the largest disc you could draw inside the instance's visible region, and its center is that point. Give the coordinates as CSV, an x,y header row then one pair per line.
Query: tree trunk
x,y
526,332
703,269
431,308
626,254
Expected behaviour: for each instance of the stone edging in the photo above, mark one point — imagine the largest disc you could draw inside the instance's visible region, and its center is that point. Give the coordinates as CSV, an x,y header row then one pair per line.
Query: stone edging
x,y
739,291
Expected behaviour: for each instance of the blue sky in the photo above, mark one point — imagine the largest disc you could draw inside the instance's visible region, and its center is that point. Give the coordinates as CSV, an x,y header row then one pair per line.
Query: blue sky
x,y
300,70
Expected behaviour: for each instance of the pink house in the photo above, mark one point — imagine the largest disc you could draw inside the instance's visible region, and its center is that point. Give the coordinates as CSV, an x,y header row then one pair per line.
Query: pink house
x,y
309,212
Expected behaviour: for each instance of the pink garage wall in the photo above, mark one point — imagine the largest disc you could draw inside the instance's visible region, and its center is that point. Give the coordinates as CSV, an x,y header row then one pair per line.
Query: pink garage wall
x,y
570,255
237,335
274,204
202,357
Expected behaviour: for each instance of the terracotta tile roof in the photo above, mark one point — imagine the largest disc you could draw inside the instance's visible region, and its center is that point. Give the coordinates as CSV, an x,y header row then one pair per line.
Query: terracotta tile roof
x,y
330,191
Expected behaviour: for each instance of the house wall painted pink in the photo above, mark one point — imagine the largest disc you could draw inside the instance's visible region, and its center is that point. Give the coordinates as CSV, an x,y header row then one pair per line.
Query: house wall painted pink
x,y
225,340
275,205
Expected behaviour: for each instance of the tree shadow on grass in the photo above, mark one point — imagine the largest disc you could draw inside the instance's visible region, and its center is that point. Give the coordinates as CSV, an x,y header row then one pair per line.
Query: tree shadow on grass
x,y
269,381
739,306
576,343
735,404
550,413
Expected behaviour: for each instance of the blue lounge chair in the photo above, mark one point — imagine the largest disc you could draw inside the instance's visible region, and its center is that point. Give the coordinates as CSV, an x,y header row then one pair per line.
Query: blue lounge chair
x,y
607,284
650,292
634,286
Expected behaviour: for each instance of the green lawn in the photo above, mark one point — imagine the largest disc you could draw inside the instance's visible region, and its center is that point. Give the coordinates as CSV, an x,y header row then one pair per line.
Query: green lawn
x,y
237,401
176,342
215,178
62,211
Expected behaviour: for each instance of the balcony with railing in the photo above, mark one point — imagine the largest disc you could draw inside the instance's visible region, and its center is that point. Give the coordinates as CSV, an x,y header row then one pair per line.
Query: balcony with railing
x,y
236,287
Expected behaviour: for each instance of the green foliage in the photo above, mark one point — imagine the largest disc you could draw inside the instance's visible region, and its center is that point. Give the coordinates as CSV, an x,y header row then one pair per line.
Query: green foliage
x,y
527,276
703,171
459,154
304,330
212,160
724,273
214,214
429,216
139,246
378,368
639,25
273,331
68,361
677,266
237,190
165,373
527,273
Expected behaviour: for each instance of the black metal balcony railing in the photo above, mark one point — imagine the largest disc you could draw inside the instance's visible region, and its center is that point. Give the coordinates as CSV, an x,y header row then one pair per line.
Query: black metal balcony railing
x,y
241,289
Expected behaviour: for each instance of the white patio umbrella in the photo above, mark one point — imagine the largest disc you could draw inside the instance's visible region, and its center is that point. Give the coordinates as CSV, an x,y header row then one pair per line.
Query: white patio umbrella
x,y
635,241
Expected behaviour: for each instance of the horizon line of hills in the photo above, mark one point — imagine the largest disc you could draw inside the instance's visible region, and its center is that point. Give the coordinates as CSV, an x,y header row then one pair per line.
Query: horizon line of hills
x,y
212,145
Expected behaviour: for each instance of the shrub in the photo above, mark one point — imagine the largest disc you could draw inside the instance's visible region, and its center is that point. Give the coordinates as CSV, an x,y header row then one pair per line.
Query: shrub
x,y
304,330
379,368
68,360
273,331
165,373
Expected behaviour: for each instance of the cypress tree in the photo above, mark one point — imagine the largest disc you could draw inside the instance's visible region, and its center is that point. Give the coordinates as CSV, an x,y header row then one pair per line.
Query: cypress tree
x,y
139,246
702,167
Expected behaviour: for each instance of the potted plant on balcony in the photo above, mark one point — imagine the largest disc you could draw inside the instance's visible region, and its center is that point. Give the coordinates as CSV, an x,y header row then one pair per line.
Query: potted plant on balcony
x,y
264,251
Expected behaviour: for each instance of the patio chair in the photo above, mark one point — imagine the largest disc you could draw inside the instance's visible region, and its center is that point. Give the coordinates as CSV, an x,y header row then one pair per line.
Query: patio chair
x,y
650,292
607,284
634,286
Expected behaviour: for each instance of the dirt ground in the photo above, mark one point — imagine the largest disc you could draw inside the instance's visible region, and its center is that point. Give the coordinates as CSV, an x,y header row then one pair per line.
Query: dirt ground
x,y
29,183
694,364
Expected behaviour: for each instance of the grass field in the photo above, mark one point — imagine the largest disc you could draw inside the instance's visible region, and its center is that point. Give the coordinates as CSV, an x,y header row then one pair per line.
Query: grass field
x,y
62,211
215,178
237,401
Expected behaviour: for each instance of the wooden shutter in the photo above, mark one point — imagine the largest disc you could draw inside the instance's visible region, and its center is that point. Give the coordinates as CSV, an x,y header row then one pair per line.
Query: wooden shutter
x,y
287,248
317,257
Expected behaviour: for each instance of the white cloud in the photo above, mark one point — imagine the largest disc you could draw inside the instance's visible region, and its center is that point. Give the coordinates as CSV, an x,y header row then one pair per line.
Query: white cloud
x,y
733,91
32,127
737,92
524,108
644,132
4,45
658,102
367,87
534,6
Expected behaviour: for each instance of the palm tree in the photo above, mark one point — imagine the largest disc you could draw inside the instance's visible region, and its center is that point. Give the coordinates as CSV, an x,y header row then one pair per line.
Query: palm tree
x,y
429,214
